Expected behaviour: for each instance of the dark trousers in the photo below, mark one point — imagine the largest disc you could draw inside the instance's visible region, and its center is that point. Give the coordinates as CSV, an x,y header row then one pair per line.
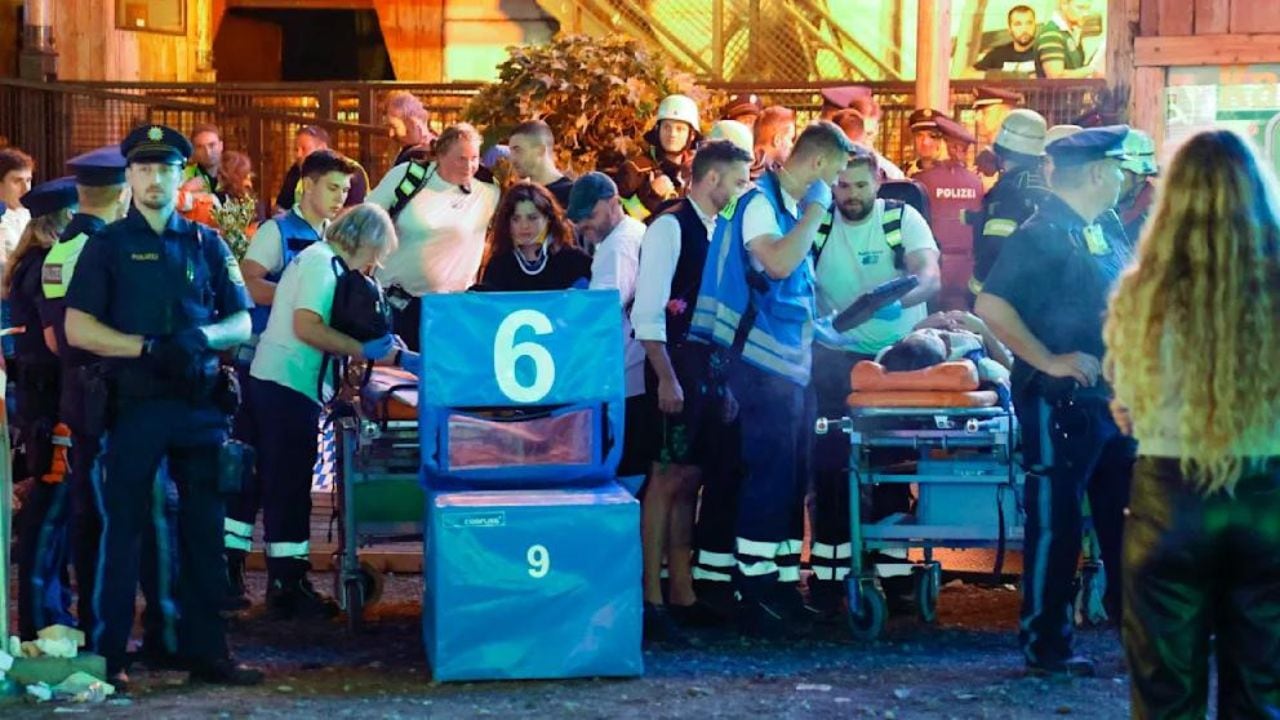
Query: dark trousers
x,y
407,322
142,434
1197,567
287,421
242,507
716,528
44,591
771,495
1071,448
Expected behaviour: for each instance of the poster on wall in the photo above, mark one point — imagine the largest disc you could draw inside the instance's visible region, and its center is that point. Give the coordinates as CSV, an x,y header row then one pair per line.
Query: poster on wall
x,y
1035,39
1245,98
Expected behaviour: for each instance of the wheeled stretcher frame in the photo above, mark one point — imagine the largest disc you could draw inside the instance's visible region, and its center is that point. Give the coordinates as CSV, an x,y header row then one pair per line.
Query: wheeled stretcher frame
x,y
379,498
961,453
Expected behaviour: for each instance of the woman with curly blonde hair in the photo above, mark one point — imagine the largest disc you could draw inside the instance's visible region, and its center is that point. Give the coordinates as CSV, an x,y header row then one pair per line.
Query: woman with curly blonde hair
x,y
1193,341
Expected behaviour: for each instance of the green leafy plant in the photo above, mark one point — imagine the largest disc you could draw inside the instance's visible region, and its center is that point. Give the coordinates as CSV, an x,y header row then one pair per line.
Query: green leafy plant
x,y
598,95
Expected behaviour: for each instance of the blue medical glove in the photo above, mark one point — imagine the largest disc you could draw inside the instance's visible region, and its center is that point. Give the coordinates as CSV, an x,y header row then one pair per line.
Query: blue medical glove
x,y
410,361
819,192
892,311
378,349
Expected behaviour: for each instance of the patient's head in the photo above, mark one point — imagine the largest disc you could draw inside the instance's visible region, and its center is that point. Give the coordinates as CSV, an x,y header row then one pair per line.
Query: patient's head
x,y
918,350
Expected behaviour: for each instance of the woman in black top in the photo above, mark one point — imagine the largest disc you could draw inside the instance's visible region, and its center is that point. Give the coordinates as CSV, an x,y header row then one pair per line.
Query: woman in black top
x,y
531,245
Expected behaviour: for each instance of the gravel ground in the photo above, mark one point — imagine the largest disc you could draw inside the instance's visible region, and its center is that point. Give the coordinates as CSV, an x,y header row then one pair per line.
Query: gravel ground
x,y
966,666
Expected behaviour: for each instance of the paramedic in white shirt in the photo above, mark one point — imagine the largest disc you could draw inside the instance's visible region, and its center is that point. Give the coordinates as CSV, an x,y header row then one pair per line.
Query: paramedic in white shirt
x,y
285,382
855,257
441,229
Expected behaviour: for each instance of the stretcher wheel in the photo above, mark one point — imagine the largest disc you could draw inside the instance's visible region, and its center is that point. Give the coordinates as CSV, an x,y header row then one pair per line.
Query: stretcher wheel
x,y
373,581
1090,609
868,609
928,581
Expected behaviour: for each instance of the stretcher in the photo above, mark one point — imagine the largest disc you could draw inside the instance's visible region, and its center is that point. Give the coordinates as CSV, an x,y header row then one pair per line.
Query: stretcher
x,y
957,445
378,495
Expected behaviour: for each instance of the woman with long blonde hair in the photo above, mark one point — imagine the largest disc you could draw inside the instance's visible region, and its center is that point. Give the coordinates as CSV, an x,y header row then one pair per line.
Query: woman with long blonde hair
x,y
1193,349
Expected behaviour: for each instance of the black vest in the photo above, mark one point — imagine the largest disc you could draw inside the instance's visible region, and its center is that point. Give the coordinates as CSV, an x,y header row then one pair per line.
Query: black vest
x,y
687,279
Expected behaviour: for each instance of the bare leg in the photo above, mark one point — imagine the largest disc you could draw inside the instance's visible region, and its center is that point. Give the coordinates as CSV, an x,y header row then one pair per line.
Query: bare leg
x,y
655,513
680,537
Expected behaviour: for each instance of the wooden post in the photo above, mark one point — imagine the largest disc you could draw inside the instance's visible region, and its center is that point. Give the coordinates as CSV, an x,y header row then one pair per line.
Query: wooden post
x,y
1147,102
717,39
933,55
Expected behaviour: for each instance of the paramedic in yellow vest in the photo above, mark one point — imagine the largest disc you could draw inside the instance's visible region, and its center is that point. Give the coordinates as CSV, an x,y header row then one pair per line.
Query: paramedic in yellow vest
x,y
664,171
862,243
756,305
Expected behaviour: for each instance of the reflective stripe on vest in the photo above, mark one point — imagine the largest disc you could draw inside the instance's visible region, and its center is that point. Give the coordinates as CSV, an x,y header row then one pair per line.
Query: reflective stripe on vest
x,y
999,227
60,265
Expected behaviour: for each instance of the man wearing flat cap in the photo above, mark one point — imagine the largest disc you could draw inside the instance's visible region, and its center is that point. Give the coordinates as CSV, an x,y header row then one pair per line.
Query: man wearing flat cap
x,y
161,296
1046,298
955,195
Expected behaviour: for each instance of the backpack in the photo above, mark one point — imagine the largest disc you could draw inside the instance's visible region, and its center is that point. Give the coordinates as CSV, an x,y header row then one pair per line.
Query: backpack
x,y
415,178
890,224
360,310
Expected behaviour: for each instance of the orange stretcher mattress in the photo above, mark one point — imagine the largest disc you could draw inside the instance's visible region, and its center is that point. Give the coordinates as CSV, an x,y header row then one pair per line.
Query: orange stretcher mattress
x,y
957,376
923,398
391,394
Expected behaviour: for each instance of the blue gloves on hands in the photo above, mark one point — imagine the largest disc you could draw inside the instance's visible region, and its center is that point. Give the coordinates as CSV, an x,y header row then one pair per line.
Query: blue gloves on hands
x,y
378,349
819,192
890,312
411,361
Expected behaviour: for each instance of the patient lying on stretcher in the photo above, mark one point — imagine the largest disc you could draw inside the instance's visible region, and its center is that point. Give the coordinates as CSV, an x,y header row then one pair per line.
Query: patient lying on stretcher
x,y
947,336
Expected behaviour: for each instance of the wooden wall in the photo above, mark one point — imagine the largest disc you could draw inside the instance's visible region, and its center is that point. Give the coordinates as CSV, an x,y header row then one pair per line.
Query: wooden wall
x,y
91,48
414,33
1147,37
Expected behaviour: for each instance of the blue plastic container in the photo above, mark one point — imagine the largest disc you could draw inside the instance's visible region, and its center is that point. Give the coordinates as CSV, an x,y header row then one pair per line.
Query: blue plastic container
x,y
532,584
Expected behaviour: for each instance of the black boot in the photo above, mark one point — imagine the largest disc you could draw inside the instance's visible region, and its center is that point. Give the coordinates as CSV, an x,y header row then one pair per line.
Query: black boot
x,y
237,594
291,595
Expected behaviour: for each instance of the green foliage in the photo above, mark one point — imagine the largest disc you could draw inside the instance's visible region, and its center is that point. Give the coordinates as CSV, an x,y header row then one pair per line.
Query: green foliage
x,y
598,95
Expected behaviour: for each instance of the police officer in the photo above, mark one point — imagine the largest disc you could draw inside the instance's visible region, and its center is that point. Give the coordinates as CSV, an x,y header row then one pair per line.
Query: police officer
x,y
43,597
757,306
955,194
1019,148
161,296
1046,299
926,139
663,172
1139,192
103,198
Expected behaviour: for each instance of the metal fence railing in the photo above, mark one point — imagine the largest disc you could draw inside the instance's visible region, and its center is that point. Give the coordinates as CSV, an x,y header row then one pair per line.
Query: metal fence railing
x,y
55,121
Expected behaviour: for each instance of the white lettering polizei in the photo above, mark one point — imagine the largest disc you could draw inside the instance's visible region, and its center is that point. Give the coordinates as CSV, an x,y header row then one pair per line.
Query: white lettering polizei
x,y
947,193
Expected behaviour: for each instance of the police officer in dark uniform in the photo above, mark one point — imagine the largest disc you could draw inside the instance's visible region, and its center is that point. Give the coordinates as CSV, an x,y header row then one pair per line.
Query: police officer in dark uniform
x,y
161,296
1046,299
103,198
1019,150
44,598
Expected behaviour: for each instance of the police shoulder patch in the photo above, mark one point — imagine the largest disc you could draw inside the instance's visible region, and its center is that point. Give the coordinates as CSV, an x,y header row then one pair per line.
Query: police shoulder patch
x,y
51,274
233,271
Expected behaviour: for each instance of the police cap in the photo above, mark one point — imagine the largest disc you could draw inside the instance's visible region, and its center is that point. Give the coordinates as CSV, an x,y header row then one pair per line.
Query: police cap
x,y
924,119
744,104
97,168
845,95
50,197
986,95
953,130
156,143
1088,145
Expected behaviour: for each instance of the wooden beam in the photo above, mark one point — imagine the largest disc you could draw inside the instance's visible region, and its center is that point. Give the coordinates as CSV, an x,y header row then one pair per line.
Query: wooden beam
x,y
1122,26
1147,101
933,55
1206,50
1211,17
1149,18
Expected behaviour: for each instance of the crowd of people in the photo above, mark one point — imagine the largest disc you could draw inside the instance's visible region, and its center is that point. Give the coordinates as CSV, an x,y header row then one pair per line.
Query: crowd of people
x,y
731,253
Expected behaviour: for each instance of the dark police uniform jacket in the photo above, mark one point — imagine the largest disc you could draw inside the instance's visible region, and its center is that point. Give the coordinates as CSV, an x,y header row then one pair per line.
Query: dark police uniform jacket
x,y
1008,204
1057,271
140,282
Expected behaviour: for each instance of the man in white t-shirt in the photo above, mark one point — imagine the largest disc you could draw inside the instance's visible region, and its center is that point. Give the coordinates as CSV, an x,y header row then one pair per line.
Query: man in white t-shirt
x,y
441,220
326,179
286,384
15,181
868,242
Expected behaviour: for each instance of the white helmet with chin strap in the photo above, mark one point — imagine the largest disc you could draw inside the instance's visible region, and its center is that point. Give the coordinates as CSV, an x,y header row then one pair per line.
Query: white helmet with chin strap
x,y
682,108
